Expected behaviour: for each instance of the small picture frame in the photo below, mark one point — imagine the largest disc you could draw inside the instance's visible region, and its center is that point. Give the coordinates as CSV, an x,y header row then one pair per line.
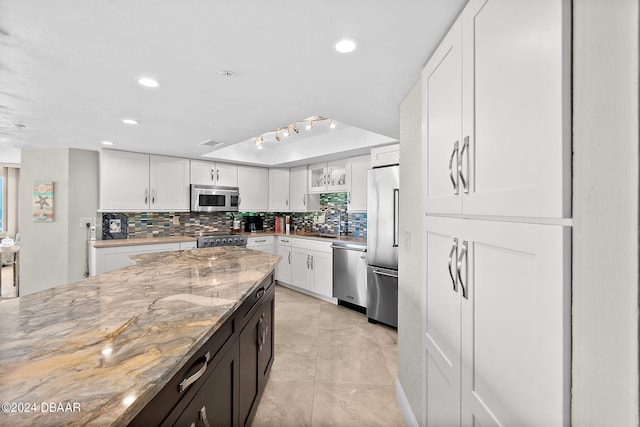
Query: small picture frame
x,y
114,226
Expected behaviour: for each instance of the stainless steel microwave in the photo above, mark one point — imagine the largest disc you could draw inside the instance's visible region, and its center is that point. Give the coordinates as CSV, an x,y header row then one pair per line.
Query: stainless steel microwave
x,y
213,198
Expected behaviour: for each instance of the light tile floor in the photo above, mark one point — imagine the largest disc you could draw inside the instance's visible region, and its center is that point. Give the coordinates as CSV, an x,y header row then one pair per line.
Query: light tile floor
x,y
332,367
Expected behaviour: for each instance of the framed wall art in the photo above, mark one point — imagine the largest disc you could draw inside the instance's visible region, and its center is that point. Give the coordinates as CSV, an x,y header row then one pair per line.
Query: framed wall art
x,y
42,201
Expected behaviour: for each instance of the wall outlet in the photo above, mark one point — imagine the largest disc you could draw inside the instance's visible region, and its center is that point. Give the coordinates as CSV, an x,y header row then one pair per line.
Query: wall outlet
x,y
87,220
176,220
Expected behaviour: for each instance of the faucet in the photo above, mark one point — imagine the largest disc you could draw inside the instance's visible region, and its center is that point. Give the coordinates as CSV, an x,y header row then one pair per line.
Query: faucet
x,y
324,212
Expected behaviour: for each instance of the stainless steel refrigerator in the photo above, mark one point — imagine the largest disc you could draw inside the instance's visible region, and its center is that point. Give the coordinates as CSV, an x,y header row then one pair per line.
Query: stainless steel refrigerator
x,y
383,192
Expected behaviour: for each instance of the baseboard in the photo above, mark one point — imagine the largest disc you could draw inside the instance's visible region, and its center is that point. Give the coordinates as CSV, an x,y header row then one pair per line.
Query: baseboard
x,y
405,408
308,292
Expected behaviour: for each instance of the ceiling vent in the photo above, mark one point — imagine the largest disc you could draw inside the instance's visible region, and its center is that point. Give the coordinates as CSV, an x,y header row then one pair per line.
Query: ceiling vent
x,y
214,144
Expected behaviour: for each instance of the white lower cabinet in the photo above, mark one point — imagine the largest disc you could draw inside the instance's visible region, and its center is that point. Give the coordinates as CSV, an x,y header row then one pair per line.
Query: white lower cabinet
x,y
312,266
284,267
262,244
103,260
497,330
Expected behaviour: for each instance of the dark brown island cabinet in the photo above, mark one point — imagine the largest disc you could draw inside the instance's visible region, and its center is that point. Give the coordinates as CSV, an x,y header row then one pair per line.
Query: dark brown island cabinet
x,y
222,383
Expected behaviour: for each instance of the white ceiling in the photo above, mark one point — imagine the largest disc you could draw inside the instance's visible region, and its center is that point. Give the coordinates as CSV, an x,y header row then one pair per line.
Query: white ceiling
x,y
69,70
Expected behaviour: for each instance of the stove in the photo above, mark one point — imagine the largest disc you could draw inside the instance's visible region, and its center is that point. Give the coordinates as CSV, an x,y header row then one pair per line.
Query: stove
x,y
221,240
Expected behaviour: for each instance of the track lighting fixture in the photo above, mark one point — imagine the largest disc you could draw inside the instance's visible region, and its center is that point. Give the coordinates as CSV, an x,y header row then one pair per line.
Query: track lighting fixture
x,y
292,128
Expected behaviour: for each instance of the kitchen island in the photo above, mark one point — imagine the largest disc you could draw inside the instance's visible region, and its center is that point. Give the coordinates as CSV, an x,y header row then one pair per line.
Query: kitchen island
x,y
97,352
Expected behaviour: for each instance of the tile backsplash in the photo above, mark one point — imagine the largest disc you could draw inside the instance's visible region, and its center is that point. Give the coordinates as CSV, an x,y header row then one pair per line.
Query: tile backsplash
x,y
162,224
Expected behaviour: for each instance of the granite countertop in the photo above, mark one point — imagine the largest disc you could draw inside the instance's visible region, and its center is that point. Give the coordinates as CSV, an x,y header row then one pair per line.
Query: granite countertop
x,y
105,346
141,241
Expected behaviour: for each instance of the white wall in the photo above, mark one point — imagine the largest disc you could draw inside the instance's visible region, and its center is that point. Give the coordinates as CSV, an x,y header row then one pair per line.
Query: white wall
x,y
410,259
50,253
605,211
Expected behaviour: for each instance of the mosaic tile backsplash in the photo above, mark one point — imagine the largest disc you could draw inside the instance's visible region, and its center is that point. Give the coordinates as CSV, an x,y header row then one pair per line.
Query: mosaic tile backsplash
x,y
162,224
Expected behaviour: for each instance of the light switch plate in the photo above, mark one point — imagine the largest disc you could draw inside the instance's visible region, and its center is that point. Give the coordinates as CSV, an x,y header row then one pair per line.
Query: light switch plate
x,y
406,240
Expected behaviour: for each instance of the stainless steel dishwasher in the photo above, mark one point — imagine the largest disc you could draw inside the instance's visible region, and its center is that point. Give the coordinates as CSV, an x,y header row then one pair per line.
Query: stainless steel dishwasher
x,y
350,274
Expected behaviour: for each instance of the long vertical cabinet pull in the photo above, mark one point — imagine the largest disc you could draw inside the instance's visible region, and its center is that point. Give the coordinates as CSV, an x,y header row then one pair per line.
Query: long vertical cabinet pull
x,y
465,181
454,250
289,257
217,175
463,253
213,177
146,196
452,177
308,256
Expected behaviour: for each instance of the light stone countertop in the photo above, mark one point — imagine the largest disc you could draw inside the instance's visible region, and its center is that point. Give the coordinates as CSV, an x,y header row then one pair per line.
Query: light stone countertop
x,y
109,343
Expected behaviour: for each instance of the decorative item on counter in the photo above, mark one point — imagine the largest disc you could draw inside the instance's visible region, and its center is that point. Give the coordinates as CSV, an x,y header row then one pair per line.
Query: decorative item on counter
x,y
236,224
288,224
114,226
277,224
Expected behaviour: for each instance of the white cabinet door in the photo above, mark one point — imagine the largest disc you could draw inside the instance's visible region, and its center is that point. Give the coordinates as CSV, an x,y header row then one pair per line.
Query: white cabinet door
x,y
212,173
442,124
203,172
337,176
301,268
279,190
169,182
284,267
299,198
504,150
516,325
318,178
516,107
321,273
507,324
442,329
109,259
124,181
357,168
385,156
253,184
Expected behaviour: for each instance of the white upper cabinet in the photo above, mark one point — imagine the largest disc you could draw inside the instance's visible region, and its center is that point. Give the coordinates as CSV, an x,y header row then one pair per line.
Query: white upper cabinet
x,y
299,198
328,177
357,168
140,182
386,155
496,123
253,184
214,173
278,190
169,182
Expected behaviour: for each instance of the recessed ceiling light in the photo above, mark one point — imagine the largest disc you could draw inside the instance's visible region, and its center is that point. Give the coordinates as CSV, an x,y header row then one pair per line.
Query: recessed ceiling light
x,y
107,143
227,74
129,121
345,45
148,82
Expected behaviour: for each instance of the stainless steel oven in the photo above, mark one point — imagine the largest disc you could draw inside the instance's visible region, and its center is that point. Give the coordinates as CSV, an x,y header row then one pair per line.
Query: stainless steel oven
x,y
214,198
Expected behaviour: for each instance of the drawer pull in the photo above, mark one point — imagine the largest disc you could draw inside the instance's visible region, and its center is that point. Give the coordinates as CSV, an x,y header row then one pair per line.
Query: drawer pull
x,y
454,179
193,378
203,416
260,293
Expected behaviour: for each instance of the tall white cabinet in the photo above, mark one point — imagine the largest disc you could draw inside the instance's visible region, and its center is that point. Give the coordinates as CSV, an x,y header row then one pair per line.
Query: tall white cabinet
x,y
497,163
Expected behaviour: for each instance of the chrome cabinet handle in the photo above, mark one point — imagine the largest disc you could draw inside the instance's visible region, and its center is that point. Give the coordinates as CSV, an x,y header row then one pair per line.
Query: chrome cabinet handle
x,y
454,179
203,416
193,378
308,261
465,183
312,262
260,241
454,249
304,201
213,178
146,196
217,175
286,201
459,269
260,335
289,257
153,196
